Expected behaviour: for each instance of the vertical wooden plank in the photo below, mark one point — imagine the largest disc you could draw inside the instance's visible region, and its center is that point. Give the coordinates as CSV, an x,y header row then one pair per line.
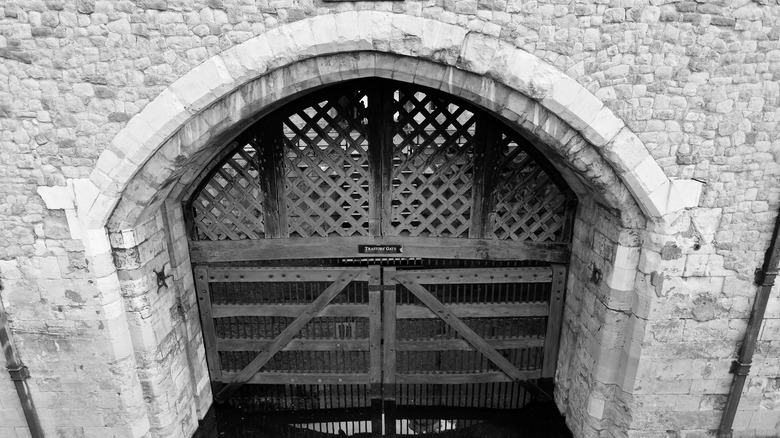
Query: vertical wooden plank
x,y
270,144
389,350
380,150
570,208
189,220
375,330
485,175
207,322
554,320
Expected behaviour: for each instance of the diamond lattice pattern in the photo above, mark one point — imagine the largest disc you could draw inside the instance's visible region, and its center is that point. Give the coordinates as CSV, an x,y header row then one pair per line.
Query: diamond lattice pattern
x,y
326,165
433,145
229,206
324,152
528,206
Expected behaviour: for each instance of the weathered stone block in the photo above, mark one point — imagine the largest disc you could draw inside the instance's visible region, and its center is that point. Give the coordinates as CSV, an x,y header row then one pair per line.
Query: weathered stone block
x,y
477,53
603,128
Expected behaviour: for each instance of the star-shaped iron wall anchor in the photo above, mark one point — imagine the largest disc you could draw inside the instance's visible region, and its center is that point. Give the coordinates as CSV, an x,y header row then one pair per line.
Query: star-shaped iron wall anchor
x,y
161,279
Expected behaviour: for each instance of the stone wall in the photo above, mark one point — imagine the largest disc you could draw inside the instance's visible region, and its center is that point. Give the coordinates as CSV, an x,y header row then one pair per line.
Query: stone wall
x,y
698,82
696,322
12,423
598,357
161,318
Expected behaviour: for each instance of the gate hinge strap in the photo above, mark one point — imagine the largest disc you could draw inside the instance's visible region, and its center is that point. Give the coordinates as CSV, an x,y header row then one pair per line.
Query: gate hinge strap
x,y
740,369
19,373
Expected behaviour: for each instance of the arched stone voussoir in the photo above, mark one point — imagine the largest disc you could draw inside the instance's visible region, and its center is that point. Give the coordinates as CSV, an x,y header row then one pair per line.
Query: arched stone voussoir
x,y
333,47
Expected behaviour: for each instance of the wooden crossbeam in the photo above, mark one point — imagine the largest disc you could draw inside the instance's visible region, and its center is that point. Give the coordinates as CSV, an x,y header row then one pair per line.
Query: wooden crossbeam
x,y
294,345
469,335
292,378
462,378
363,344
287,334
440,248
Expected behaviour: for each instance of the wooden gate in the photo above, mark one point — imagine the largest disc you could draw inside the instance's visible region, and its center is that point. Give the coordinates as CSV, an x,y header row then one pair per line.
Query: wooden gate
x,y
283,339
430,240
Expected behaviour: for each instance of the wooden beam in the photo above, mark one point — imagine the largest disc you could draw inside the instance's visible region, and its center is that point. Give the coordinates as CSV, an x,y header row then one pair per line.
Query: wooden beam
x,y
464,330
388,426
389,337
405,311
461,345
421,276
287,334
554,321
463,378
301,378
347,247
294,345
485,175
287,310
499,310
480,275
280,275
375,331
363,345
207,321
272,177
380,155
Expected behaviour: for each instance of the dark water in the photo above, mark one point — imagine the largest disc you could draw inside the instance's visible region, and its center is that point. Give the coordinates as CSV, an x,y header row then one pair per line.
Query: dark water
x,y
537,419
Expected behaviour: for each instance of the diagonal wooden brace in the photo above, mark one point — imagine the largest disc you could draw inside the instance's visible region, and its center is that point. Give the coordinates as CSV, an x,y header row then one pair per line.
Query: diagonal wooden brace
x,y
287,334
470,336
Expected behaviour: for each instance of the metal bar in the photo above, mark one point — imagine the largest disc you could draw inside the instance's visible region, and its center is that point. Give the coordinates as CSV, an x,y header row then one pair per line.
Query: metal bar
x,y
765,279
287,334
19,375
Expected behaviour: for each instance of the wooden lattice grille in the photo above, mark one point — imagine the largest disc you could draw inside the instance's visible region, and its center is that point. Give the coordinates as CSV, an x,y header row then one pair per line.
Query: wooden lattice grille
x,y
378,158
433,151
326,168
527,205
229,206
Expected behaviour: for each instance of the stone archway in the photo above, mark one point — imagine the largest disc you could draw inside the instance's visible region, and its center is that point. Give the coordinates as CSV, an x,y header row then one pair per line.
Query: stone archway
x,y
152,160
533,90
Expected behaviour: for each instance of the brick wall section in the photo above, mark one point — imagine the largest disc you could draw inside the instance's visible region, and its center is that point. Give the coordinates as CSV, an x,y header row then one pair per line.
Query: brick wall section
x,y
698,82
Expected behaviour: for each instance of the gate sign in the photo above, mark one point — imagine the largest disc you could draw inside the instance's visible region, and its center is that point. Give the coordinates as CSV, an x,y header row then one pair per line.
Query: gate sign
x,y
380,249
